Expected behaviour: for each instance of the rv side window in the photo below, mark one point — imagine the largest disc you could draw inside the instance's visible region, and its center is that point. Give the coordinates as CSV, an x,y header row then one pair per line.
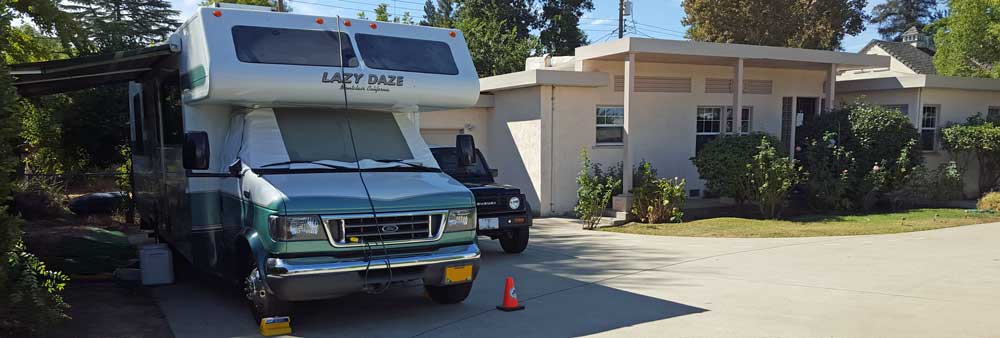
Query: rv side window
x,y
292,46
408,55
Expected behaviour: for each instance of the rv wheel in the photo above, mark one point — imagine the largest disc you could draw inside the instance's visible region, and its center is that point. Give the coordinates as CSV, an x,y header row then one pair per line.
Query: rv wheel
x,y
262,303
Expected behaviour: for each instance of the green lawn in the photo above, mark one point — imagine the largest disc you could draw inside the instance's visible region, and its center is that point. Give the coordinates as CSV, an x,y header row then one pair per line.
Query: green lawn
x,y
810,226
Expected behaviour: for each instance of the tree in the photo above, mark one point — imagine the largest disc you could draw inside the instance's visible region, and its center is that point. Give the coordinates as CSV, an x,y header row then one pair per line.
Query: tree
x,y
968,41
813,24
896,16
514,14
125,24
495,47
560,23
443,15
266,3
382,14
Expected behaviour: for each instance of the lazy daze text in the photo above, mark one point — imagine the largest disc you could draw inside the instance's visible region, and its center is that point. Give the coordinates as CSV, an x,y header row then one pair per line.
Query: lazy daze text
x,y
352,81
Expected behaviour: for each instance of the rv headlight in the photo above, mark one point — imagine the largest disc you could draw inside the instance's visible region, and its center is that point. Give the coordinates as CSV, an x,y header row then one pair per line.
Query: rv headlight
x,y
460,220
514,203
296,228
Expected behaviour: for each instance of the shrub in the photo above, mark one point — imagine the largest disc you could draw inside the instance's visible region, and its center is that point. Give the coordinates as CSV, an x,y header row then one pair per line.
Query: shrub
x,y
39,197
722,164
990,201
926,185
31,299
857,154
978,137
771,178
656,200
594,189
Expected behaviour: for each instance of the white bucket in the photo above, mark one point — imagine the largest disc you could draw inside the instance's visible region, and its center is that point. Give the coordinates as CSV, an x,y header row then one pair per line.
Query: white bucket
x,y
157,264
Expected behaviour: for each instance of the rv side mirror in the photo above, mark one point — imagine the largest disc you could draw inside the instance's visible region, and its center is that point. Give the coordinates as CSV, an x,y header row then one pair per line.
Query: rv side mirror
x,y
494,173
236,168
465,149
196,151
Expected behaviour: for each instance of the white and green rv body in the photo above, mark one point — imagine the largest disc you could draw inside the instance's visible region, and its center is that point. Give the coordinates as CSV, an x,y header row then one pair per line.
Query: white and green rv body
x,y
281,149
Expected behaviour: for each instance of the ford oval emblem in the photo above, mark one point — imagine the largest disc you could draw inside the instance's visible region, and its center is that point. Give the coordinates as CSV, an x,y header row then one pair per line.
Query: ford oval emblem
x,y
390,228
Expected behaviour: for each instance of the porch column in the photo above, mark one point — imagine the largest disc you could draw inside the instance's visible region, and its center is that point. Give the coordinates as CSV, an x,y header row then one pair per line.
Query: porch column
x,y
831,83
737,98
627,160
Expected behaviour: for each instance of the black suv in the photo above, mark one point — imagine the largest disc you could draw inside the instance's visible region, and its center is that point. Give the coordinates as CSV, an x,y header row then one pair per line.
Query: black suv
x,y
502,210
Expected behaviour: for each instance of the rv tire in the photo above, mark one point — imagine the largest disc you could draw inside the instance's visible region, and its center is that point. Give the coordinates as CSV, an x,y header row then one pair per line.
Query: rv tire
x,y
262,304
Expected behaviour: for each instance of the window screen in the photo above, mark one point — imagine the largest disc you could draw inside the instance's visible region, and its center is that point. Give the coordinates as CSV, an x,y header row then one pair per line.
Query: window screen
x,y
707,126
292,46
610,125
928,128
408,55
315,134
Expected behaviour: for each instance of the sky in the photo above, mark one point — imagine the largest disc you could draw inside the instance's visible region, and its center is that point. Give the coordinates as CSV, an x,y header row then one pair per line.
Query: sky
x,y
651,18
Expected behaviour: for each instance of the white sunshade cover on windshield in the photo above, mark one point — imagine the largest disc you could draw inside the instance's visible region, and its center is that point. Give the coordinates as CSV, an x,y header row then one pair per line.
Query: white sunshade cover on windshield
x,y
255,138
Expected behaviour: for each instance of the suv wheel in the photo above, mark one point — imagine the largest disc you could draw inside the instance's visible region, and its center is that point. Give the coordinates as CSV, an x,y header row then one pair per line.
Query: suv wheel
x,y
262,303
514,241
449,294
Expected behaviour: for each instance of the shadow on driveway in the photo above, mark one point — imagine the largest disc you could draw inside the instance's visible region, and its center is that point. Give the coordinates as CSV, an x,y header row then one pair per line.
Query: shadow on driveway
x,y
555,287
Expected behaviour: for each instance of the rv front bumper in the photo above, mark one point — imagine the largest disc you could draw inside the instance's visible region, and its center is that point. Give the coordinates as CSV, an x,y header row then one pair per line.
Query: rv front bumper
x,y
309,278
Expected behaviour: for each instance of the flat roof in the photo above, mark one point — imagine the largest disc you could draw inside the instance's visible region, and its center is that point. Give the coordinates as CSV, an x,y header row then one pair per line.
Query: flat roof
x,y
711,53
543,77
917,81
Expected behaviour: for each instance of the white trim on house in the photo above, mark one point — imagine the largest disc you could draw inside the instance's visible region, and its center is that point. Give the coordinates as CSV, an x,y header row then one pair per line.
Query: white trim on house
x,y
874,81
754,55
543,77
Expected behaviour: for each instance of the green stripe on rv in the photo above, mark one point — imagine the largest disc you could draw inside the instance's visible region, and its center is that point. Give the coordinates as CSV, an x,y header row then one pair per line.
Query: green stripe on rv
x,y
205,207
194,78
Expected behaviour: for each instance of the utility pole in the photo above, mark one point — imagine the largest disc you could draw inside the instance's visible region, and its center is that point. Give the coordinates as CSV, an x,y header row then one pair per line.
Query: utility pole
x,y
621,18
281,5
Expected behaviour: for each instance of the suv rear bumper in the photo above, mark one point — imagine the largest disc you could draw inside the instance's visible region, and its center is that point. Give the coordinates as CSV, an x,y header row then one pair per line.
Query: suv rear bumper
x,y
308,278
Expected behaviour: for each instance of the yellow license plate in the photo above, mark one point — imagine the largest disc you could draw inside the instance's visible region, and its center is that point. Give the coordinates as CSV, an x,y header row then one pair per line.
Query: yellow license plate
x,y
457,274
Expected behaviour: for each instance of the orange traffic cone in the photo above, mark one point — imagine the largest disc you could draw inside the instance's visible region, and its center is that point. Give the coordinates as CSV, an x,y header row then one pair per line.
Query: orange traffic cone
x,y
510,297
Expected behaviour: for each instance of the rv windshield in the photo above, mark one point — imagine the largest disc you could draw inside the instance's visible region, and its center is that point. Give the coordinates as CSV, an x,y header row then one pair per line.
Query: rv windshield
x,y
317,134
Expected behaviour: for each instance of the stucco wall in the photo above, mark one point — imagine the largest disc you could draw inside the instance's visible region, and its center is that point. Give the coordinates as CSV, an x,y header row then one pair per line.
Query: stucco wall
x,y
514,131
664,123
471,121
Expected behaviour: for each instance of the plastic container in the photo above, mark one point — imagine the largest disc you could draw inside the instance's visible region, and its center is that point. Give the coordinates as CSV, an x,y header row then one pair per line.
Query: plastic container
x,y
157,264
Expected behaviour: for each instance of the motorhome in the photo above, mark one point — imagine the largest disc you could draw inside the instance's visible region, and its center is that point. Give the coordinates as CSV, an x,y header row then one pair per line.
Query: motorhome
x,y
281,150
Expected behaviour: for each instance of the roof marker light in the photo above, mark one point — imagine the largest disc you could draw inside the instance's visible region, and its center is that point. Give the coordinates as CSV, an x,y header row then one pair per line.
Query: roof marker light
x,y
373,25
347,23
319,21
452,34
217,13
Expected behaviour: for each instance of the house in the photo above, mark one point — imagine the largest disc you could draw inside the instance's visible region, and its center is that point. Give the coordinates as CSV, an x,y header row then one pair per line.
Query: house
x,y
636,99
911,84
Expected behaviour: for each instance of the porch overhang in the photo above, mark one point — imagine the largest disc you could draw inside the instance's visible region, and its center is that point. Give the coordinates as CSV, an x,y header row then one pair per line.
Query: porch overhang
x,y
726,54
875,83
58,76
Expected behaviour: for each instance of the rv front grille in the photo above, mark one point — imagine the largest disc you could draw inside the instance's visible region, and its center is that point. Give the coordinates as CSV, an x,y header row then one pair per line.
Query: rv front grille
x,y
394,228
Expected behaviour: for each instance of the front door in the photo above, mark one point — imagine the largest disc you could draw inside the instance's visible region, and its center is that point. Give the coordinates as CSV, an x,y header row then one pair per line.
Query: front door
x,y
805,112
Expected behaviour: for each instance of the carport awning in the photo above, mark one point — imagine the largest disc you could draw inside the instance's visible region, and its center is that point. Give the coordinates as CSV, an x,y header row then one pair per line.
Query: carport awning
x,y
58,76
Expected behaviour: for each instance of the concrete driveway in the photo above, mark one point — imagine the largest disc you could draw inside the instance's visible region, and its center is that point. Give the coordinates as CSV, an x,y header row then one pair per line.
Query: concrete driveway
x,y
942,283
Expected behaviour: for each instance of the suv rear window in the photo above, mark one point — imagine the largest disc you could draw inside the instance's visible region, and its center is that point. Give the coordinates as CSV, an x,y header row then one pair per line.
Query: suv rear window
x,y
292,46
408,55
